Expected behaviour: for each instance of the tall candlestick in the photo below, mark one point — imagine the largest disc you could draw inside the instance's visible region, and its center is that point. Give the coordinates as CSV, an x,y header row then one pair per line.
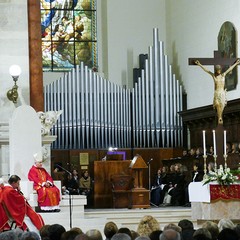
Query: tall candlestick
x,y
225,142
204,143
214,143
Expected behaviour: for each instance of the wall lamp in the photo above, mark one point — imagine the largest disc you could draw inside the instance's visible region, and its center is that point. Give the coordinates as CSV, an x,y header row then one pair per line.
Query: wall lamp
x,y
12,94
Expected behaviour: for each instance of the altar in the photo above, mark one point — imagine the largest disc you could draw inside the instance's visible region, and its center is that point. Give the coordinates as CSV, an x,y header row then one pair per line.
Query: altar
x,y
214,201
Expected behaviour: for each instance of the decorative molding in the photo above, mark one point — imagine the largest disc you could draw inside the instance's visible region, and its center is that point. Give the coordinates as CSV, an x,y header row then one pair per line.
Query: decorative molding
x,y
207,113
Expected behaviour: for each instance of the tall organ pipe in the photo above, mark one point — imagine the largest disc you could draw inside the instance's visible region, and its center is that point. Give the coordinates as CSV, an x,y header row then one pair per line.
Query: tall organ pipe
x,y
98,113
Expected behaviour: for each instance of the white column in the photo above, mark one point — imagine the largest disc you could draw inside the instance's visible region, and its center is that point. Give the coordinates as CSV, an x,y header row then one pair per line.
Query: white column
x,y
4,150
46,144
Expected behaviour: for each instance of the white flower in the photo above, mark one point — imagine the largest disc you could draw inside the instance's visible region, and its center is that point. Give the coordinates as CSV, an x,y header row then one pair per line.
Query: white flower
x,y
222,176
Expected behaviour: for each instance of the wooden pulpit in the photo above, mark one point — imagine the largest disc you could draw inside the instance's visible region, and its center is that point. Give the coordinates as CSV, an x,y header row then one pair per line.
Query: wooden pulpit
x,y
140,195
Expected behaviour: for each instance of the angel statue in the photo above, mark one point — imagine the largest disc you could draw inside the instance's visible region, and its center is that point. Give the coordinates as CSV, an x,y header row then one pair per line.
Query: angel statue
x,y
48,120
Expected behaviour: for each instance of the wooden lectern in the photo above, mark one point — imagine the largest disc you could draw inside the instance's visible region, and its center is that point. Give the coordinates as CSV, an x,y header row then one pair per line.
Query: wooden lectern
x,y
140,195
122,185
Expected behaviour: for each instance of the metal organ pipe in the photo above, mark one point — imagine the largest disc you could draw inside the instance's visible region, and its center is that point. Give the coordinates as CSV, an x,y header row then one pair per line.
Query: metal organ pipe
x,y
98,113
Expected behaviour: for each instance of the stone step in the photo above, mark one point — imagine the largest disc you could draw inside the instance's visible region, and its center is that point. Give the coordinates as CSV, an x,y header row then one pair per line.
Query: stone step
x,y
97,218
77,203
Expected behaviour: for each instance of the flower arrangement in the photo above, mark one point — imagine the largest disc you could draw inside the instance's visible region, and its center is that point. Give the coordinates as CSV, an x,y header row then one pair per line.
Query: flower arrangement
x,y
221,176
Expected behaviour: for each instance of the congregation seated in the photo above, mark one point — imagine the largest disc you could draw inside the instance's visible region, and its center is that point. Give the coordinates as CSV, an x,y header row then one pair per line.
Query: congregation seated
x,y
174,190
71,183
147,225
94,234
202,234
212,227
235,147
110,229
195,154
148,228
160,180
166,198
184,154
199,153
187,229
85,183
210,168
197,176
192,152
210,151
178,185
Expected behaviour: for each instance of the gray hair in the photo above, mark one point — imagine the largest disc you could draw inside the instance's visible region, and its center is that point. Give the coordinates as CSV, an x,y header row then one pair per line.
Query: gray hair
x,y
170,234
121,236
225,223
30,235
142,238
8,235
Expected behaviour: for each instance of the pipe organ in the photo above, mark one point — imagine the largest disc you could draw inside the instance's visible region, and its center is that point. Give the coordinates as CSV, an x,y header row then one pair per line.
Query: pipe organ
x,y
98,113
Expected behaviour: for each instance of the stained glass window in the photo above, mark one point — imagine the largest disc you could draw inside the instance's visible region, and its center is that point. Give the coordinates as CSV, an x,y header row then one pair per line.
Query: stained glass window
x,y
68,34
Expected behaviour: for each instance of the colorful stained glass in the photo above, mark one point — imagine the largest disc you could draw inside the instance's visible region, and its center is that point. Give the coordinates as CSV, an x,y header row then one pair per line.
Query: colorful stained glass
x,y
68,34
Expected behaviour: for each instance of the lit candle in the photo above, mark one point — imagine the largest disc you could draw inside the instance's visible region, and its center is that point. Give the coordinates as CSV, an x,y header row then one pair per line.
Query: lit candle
x,y
225,142
214,143
204,143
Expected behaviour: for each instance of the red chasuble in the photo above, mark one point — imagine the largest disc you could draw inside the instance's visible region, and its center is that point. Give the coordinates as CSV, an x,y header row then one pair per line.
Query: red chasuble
x,y
4,218
18,207
47,196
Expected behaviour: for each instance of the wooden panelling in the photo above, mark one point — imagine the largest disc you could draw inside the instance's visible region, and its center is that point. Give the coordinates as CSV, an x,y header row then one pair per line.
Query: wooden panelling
x,y
103,171
69,159
204,118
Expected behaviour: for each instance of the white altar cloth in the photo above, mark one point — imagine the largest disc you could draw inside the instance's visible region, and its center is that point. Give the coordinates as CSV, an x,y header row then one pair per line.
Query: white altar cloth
x,y
199,192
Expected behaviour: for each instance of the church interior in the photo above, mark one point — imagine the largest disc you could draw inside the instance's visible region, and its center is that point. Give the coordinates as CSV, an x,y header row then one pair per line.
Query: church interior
x,y
143,105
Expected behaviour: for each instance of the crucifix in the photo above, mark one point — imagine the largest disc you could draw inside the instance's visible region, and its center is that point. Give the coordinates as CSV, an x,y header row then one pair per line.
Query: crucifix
x,y
219,100
216,60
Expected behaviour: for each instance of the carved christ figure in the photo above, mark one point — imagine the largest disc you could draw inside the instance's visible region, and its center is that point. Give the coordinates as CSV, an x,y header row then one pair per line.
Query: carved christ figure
x,y
219,100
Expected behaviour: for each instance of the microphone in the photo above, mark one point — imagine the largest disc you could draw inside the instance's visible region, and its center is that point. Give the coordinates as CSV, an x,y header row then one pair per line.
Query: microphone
x,y
63,169
150,160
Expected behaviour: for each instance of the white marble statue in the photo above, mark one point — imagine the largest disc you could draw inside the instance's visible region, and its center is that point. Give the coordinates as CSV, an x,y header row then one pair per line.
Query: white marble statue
x,y
48,120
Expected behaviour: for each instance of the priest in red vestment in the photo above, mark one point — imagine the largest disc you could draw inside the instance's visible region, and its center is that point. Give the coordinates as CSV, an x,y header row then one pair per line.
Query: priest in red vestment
x,y
4,225
17,207
48,193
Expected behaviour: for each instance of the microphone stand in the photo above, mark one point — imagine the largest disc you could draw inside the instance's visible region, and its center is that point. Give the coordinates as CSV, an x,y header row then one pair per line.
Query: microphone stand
x,y
69,196
149,182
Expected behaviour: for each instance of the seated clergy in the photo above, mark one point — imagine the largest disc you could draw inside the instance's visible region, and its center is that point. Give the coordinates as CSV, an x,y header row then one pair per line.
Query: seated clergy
x,y
17,208
4,225
48,193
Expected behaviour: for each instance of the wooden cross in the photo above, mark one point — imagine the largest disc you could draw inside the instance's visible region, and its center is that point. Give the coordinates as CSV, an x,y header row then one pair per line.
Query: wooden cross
x,y
217,60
